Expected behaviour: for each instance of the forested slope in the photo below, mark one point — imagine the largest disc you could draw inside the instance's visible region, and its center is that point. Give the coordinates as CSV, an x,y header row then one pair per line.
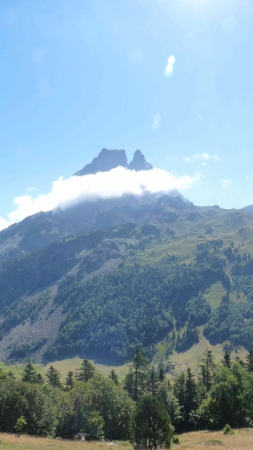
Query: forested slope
x,y
102,294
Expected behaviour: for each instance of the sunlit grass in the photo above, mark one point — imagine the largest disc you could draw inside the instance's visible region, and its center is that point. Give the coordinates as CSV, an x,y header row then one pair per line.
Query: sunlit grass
x,y
65,366
201,440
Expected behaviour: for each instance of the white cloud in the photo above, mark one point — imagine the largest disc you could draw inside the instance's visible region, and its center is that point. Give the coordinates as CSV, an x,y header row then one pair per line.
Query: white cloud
x,y
202,156
68,192
225,184
156,121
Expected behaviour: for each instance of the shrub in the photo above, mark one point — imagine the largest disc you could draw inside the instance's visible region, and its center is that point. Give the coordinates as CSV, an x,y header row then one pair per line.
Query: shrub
x,y
228,430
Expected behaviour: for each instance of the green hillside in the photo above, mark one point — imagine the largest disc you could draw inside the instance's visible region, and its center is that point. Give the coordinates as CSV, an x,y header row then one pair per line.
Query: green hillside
x,y
181,278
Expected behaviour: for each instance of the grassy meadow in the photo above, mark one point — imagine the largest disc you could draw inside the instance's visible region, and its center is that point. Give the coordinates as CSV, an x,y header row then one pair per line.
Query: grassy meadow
x,y
201,440
64,367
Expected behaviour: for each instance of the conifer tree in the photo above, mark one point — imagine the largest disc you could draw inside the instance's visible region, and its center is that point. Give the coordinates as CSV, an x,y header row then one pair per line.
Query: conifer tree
x,y
226,361
114,376
140,368
207,369
29,375
53,377
161,374
129,382
190,395
86,371
152,382
40,379
179,388
249,363
69,383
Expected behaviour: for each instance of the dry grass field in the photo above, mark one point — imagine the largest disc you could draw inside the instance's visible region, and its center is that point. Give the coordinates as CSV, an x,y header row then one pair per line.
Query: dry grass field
x,y
203,440
241,440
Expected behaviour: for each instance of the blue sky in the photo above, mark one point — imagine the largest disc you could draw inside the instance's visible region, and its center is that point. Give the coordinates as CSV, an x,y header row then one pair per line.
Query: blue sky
x,y
80,75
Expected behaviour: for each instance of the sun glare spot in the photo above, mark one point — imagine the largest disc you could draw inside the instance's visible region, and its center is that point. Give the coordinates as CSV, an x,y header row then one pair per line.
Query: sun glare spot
x,y
171,60
170,66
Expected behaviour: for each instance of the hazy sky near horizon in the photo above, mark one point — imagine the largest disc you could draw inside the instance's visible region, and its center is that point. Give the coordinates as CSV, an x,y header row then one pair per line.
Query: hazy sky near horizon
x,y
80,75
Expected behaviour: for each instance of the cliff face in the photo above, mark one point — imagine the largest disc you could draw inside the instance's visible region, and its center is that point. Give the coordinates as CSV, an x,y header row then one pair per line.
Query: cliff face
x,y
110,159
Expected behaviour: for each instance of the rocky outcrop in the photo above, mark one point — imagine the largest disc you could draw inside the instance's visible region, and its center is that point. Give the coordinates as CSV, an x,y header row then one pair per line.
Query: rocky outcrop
x,y
139,162
110,159
104,162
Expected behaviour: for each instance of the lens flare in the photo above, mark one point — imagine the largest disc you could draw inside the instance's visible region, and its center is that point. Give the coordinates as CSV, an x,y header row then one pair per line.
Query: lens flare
x,y
168,71
171,60
169,68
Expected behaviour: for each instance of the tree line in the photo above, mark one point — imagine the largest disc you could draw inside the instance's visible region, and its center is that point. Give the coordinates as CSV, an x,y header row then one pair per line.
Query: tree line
x,y
146,408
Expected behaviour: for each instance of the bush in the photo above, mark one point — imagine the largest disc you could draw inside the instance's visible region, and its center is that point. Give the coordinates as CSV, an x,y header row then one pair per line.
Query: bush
x,y
175,440
228,430
20,425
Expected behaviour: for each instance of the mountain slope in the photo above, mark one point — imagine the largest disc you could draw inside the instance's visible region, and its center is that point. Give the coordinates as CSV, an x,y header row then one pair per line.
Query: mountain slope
x,y
249,208
105,276
104,292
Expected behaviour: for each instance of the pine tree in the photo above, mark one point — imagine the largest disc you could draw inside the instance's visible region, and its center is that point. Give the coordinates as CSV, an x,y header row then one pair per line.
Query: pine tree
x,y
129,382
140,368
190,395
69,383
179,388
207,369
152,382
40,379
249,363
114,376
53,377
185,389
29,375
86,371
226,361
161,374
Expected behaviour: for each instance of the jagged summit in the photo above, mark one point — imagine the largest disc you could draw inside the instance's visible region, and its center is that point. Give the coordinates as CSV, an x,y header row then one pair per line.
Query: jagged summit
x,y
139,162
105,161
110,159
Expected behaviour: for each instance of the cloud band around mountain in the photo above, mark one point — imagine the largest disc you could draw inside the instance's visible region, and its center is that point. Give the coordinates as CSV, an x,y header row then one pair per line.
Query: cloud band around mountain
x,y
69,192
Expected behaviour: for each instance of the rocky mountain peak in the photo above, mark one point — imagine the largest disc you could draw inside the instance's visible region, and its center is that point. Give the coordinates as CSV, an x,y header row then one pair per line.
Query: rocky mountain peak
x,y
105,161
110,159
139,162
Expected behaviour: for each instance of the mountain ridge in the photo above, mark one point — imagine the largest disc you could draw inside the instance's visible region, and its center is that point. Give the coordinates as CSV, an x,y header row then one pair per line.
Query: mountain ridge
x,y
111,159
